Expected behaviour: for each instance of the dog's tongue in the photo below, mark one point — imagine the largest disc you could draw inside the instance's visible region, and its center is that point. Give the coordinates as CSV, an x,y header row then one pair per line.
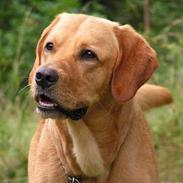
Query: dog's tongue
x,y
46,101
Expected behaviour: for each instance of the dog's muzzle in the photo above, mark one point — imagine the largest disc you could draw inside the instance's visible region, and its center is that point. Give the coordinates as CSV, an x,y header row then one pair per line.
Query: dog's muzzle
x,y
48,108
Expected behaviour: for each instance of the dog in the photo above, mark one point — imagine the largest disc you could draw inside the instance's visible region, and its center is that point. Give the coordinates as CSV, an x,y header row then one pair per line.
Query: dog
x,y
86,80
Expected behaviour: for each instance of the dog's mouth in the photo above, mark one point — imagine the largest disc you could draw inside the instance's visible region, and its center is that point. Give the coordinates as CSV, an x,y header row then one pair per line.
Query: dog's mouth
x,y
49,108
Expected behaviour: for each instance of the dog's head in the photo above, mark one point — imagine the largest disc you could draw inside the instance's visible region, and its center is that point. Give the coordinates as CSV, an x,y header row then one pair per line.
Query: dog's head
x,y
80,58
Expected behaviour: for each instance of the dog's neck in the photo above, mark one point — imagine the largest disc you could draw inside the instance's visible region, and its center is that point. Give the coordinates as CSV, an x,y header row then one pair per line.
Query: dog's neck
x,y
83,146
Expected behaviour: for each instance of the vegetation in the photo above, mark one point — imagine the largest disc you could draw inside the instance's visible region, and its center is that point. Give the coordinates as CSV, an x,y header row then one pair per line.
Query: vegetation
x,y
21,23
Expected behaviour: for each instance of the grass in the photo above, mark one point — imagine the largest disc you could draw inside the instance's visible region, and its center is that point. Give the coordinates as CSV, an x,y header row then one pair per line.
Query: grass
x,y
167,127
17,124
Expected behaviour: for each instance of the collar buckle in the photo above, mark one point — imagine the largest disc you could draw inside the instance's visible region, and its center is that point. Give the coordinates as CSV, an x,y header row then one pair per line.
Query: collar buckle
x,y
73,179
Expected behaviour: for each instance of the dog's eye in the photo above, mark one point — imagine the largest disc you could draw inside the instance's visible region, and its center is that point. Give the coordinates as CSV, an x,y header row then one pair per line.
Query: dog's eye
x,y
88,55
49,46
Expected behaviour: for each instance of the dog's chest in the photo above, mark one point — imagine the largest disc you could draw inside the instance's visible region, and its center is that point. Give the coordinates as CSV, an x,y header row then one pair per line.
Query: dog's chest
x,y
63,146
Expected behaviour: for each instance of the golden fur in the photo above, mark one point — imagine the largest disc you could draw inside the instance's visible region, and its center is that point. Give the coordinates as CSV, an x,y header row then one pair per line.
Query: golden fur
x,y
112,142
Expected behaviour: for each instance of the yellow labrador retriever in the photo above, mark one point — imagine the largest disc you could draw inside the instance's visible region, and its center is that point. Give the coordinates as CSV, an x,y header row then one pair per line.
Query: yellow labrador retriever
x,y
92,128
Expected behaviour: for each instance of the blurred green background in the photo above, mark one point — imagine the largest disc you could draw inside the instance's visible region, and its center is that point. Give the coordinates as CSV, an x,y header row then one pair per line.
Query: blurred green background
x,y
21,23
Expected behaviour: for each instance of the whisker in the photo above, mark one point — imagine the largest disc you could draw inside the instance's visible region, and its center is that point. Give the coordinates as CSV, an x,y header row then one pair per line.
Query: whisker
x,y
22,89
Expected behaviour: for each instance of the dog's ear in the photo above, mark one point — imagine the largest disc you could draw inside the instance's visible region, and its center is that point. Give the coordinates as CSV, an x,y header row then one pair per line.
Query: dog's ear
x,y
135,63
40,46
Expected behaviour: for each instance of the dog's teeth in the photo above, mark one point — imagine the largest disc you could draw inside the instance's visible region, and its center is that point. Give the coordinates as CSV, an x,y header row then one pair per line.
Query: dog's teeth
x,y
46,104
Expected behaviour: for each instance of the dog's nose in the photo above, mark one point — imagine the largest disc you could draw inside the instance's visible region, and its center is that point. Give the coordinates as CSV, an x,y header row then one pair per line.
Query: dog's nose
x,y
46,77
